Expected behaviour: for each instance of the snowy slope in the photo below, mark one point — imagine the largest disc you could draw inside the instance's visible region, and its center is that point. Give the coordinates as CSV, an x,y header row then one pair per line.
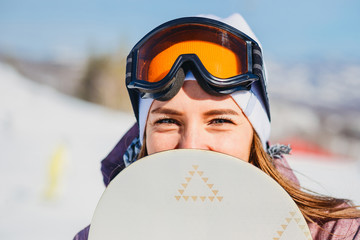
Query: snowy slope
x,y
50,151
337,177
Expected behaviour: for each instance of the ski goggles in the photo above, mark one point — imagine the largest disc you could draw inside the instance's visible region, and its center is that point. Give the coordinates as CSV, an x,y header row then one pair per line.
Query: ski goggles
x,y
223,60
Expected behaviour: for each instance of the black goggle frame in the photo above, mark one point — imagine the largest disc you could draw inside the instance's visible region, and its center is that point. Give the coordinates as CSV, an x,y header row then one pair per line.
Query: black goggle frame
x,y
168,87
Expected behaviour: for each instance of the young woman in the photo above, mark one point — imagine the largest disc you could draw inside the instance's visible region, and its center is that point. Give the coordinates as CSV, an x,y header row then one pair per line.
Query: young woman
x,y
200,83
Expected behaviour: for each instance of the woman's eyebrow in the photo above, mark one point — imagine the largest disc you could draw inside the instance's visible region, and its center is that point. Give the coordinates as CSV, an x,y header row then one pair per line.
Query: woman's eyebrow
x,y
166,111
221,112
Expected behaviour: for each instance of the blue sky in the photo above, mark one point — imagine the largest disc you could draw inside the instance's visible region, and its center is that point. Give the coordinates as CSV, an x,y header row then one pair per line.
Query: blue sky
x,y
288,30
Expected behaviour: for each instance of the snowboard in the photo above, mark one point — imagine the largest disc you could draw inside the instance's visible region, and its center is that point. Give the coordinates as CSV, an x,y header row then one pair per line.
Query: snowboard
x,y
196,195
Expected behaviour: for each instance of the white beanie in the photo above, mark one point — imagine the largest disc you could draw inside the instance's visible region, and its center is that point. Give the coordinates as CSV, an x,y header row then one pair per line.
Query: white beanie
x,y
249,101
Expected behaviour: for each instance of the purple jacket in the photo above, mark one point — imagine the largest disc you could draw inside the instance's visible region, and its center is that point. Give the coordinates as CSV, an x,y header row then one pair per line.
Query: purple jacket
x,y
345,229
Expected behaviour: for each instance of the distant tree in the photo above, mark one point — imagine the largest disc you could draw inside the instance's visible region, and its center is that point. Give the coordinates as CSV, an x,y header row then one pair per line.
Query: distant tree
x,y
104,81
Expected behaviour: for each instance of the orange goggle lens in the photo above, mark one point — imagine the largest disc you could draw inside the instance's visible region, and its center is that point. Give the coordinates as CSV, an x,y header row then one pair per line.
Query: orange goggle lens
x,y
223,54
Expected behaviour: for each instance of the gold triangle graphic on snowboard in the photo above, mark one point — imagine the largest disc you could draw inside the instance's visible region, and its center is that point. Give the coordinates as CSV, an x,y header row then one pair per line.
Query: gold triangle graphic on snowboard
x,y
292,217
195,172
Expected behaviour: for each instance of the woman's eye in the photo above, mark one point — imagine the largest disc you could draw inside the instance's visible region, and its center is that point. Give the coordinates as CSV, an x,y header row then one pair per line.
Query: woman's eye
x,y
221,121
167,121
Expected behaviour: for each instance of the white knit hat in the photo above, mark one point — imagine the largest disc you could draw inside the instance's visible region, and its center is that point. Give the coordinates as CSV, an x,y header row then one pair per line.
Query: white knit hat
x,y
249,101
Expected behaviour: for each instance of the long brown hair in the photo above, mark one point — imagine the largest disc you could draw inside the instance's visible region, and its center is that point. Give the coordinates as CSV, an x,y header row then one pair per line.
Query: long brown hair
x,y
314,207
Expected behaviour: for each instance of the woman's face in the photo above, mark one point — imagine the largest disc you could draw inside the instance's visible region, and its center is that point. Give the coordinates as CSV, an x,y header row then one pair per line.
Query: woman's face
x,y
193,119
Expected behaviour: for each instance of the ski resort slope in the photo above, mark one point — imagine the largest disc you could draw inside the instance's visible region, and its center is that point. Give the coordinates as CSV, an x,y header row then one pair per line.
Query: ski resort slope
x,y
51,146
337,176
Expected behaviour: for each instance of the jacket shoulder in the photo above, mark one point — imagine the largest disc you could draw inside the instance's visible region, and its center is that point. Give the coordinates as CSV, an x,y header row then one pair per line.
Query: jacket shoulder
x,y
113,162
83,234
345,229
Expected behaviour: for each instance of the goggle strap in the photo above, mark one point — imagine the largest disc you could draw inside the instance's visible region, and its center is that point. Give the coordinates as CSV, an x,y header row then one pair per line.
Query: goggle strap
x,y
257,52
258,69
134,98
128,68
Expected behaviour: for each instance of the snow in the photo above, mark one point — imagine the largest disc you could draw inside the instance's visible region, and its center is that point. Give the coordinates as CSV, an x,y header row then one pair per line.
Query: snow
x,y
36,124
337,177
51,146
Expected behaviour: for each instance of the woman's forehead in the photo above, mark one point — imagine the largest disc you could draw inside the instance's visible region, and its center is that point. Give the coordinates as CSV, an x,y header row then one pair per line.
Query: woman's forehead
x,y
193,90
192,97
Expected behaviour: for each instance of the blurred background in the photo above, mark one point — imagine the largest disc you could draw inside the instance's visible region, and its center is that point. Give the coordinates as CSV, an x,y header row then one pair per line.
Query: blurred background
x,y
63,105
